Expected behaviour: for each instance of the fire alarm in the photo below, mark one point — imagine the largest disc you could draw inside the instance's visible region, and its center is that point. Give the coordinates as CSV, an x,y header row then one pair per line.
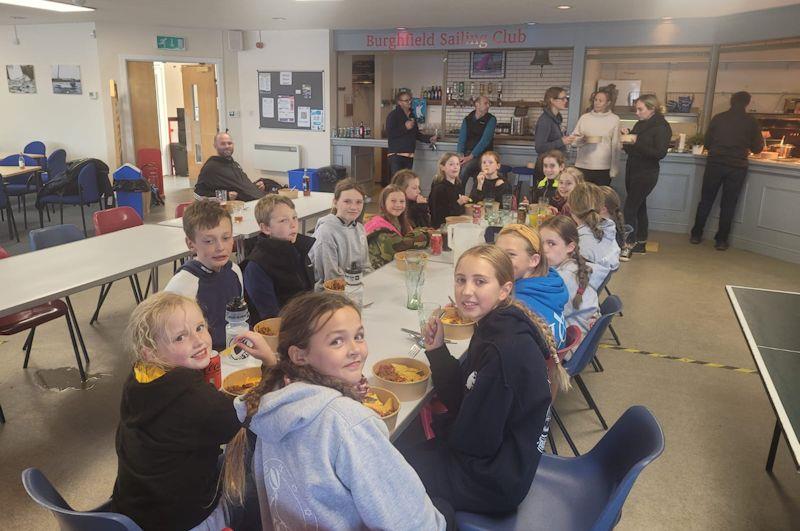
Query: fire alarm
x,y
259,42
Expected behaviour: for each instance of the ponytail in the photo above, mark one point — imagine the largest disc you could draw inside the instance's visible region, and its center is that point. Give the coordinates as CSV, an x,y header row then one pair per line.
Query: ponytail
x,y
568,231
584,203
582,275
561,376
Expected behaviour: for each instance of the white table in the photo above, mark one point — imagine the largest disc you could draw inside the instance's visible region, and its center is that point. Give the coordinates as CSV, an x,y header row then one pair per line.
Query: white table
x,y
306,207
33,278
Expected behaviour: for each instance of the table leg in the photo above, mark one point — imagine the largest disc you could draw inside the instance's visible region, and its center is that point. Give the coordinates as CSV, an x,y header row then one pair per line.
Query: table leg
x,y
154,277
773,448
303,226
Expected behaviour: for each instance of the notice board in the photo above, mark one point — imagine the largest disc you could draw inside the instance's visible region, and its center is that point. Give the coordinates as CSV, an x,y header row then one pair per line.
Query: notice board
x,y
291,100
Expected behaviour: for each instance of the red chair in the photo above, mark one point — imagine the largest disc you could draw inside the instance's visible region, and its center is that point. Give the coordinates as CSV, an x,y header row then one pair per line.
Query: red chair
x,y
149,161
181,208
113,220
31,318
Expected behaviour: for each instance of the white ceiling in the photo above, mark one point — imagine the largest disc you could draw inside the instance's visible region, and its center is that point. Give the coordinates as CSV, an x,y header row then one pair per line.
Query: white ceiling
x,y
378,14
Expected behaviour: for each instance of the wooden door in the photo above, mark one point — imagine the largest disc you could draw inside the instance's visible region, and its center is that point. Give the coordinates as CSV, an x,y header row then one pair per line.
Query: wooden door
x,y
201,115
144,109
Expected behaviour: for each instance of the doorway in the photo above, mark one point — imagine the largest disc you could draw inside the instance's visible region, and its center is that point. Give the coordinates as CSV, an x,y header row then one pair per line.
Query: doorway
x,y
174,115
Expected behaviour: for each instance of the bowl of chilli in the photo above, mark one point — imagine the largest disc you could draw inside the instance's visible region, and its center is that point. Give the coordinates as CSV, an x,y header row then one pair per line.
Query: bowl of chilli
x,y
385,403
456,328
270,329
336,285
405,377
240,382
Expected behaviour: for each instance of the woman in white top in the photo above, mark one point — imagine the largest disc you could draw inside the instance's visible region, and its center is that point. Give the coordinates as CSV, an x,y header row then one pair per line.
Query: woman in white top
x,y
597,140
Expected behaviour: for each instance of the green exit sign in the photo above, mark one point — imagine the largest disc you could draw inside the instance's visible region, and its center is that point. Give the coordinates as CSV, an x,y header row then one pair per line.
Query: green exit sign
x,y
167,42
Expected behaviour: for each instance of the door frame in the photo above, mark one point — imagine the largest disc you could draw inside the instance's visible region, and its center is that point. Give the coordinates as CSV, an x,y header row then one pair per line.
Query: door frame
x,y
128,154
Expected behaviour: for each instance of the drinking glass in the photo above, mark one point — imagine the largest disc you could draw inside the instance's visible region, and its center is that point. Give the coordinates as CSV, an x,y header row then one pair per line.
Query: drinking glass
x,y
415,280
424,312
221,195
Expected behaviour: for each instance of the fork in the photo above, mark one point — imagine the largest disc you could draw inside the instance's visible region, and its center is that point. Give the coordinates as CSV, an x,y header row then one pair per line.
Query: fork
x,y
416,348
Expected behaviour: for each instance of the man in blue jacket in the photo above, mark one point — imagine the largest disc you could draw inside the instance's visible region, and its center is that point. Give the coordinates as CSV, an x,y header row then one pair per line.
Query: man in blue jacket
x,y
475,137
402,134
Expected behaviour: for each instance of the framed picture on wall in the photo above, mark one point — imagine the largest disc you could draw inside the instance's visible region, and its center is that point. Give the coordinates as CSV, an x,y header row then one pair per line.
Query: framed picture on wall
x,y
487,65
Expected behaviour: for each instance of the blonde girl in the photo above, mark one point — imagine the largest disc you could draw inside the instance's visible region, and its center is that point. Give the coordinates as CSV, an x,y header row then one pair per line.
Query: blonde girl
x,y
561,245
598,236
535,284
446,198
172,422
322,460
416,205
341,239
567,182
488,446
488,183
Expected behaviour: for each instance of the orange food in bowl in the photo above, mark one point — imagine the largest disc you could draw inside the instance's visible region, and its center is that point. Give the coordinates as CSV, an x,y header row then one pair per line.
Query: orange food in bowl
x,y
334,284
405,377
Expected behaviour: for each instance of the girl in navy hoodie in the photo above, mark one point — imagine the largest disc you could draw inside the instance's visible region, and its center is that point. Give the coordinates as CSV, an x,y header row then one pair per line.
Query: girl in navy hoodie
x,y
537,285
489,443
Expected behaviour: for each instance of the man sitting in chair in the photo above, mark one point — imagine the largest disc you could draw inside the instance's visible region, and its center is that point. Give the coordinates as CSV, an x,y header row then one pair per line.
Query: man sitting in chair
x,y
221,172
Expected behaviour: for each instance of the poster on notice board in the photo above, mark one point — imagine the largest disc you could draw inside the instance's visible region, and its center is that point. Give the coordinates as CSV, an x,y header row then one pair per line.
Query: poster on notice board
x,y
317,120
286,109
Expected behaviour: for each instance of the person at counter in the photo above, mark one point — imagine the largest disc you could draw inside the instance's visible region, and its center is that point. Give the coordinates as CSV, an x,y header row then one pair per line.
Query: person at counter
x,y
475,137
597,140
221,172
729,138
649,143
548,133
402,133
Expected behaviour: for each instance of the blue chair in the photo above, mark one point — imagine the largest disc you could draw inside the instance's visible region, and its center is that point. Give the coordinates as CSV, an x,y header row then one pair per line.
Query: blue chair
x,y
604,286
35,148
523,173
586,492
88,193
5,207
24,184
45,494
56,165
585,353
50,237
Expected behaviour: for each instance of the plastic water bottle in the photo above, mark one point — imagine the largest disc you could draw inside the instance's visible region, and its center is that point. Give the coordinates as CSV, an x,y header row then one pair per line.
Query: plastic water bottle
x,y
236,316
21,161
354,288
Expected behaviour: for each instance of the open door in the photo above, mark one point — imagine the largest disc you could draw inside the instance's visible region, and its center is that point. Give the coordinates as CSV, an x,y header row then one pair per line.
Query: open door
x,y
202,116
144,109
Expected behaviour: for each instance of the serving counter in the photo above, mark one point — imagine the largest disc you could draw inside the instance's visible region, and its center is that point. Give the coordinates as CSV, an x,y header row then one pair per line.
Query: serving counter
x,y
767,219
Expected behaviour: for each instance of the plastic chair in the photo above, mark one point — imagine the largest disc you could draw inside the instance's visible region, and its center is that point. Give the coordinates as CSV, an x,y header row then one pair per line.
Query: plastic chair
x,y
112,220
35,148
31,318
612,306
50,237
586,492
56,165
88,193
5,206
573,338
22,185
181,208
149,162
45,494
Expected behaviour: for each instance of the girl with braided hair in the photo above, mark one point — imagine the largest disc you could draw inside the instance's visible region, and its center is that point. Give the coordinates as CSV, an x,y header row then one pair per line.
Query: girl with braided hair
x,y
598,236
321,459
488,444
560,243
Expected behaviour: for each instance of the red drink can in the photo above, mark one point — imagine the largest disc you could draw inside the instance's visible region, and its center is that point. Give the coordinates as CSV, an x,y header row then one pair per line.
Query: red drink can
x,y
436,243
476,214
213,371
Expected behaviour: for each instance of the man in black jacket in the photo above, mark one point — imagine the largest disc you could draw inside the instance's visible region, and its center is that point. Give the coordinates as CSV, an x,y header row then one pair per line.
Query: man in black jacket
x,y
729,138
221,172
402,133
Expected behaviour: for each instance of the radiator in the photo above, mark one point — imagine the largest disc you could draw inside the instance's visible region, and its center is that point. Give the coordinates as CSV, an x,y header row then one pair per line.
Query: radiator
x,y
276,157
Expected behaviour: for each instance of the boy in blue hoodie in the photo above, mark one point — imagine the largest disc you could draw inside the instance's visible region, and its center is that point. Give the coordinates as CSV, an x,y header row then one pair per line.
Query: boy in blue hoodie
x,y
210,278
538,286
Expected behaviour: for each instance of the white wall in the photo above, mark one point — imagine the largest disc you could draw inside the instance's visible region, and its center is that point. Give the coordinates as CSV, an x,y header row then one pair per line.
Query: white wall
x,y
308,50
70,121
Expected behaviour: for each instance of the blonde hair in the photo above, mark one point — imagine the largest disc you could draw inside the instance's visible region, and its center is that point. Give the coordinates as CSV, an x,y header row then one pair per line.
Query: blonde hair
x,y
400,222
403,178
584,203
202,215
504,273
147,325
575,173
301,318
266,205
494,154
532,241
439,177
650,101
612,202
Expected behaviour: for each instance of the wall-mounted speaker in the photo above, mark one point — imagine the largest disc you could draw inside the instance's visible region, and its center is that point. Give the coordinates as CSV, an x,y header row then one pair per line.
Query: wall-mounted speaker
x,y
235,40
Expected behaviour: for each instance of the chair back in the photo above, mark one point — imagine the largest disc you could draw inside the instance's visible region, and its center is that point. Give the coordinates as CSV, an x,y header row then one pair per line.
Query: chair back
x,y
606,281
87,180
42,492
573,337
611,305
114,219
181,208
56,164
632,443
3,253
54,235
13,160
585,352
36,148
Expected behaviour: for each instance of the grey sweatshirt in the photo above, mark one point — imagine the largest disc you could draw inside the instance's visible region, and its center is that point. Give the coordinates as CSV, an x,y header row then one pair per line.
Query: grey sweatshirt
x,y
337,246
324,461
603,254
589,308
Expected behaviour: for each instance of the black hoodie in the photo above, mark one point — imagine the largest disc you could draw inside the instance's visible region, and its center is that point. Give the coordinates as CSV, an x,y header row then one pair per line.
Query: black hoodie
x,y
498,398
224,173
652,142
168,444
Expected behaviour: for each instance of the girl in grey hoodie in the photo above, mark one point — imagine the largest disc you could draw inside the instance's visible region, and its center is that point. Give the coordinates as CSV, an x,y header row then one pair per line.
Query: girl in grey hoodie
x,y
322,460
340,236
598,236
